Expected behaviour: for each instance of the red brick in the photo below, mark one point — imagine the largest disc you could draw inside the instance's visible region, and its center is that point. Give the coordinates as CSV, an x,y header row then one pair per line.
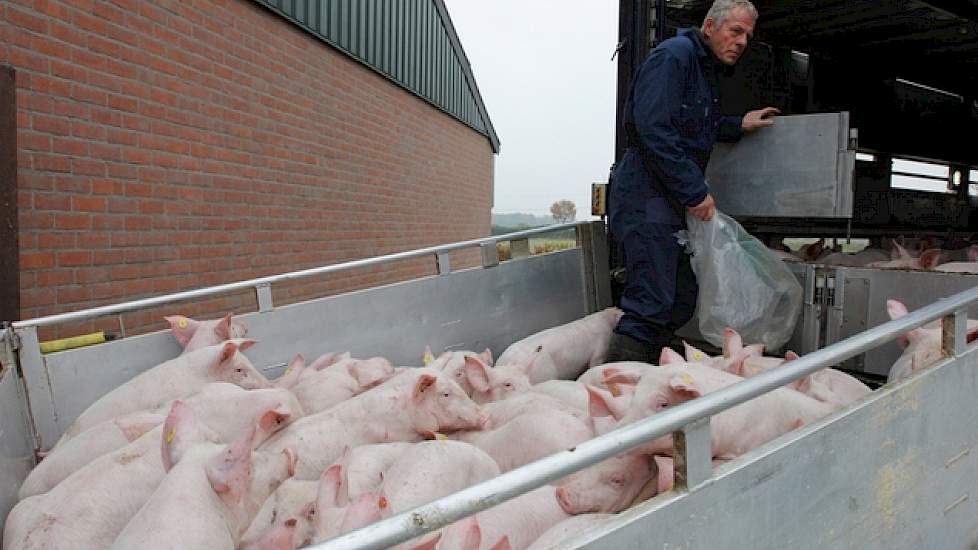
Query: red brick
x,y
71,147
88,204
88,167
52,201
51,163
56,240
107,257
74,294
55,277
80,128
72,221
86,275
51,125
36,260
26,20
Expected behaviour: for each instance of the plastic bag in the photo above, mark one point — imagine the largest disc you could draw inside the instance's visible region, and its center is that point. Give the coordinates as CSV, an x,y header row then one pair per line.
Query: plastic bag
x,y
743,285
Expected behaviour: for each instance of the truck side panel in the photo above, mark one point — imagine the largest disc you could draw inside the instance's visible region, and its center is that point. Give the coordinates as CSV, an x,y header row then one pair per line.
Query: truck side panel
x,y
16,444
470,309
899,470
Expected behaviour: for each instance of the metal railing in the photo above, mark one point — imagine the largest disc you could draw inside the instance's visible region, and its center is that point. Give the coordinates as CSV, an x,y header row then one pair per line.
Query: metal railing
x,y
261,285
690,423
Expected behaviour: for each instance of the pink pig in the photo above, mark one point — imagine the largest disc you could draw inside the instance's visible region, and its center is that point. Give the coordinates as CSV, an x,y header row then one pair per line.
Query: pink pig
x,y
406,408
173,379
194,335
736,430
565,351
923,346
91,506
320,390
208,497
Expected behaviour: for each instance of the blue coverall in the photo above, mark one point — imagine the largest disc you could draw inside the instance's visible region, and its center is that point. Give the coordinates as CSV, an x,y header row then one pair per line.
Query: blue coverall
x,y
672,116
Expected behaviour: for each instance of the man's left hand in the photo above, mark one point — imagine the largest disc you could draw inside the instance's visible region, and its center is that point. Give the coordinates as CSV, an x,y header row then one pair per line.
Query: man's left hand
x,y
760,118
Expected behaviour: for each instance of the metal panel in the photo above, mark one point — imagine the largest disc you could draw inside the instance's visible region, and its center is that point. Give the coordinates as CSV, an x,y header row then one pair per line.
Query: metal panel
x,y
402,47
863,296
471,309
764,176
896,472
16,443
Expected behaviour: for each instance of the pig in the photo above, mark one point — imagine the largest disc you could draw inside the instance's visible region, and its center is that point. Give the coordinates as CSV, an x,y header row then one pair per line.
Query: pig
x,y
609,486
320,390
515,524
540,433
923,346
958,267
208,497
627,372
432,469
98,440
92,505
283,512
813,251
193,335
902,259
830,386
173,379
452,363
559,534
565,351
734,431
495,384
216,403
857,259
406,408
501,412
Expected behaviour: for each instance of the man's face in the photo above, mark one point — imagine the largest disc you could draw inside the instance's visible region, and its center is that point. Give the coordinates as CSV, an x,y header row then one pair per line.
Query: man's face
x,y
729,39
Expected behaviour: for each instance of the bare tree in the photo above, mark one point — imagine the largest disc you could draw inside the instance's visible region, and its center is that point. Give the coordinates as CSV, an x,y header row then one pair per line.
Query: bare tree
x,y
563,211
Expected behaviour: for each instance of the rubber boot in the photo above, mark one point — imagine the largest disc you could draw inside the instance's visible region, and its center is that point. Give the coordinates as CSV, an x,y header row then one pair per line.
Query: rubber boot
x,y
626,348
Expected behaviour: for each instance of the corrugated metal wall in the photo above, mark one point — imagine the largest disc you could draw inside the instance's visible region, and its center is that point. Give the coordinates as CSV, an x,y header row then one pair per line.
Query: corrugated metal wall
x,y
411,41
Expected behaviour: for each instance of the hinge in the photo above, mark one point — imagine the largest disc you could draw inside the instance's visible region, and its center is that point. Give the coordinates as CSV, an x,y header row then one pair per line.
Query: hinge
x,y
8,347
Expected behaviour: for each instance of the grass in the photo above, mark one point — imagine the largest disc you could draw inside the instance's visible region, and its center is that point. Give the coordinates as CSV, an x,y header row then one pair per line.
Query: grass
x,y
537,246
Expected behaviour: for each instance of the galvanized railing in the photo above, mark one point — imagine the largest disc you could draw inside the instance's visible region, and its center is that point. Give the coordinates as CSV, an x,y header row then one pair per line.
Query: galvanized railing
x,y
689,423
519,242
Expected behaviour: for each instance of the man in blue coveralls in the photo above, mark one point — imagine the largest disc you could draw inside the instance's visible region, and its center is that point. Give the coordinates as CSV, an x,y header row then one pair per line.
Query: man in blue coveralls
x,y
672,120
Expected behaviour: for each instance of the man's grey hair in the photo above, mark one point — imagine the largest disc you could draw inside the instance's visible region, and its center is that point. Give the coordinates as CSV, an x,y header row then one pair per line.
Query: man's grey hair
x,y
721,9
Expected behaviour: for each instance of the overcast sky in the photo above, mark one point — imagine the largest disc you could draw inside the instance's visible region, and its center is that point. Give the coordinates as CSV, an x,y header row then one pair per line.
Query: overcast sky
x,y
545,73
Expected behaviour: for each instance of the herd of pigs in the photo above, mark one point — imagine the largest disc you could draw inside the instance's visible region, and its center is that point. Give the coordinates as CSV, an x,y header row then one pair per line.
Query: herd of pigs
x,y
202,451
915,254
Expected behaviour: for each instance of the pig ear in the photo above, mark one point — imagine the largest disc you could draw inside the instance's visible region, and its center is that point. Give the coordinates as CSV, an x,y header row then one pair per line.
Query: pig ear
x,y
666,473
896,309
732,343
486,356
274,420
602,403
684,385
471,534
292,373
668,357
503,544
431,543
898,252
804,384
738,365
180,432
182,328
477,373
223,328
423,386
278,537
694,355
790,356
930,258
364,511
757,350
229,473
330,484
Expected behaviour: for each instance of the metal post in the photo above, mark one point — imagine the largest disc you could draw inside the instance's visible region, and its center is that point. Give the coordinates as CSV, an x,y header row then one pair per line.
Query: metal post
x,y
954,336
490,254
519,248
263,292
692,456
444,263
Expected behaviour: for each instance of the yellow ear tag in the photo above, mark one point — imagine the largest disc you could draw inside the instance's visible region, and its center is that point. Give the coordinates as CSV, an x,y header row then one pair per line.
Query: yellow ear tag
x,y
441,437
687,378
699,356
287,371
614,389
428,358
170,435
182,323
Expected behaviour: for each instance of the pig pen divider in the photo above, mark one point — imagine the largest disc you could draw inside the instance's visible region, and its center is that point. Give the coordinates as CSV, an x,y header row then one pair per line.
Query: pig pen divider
x,y
689,422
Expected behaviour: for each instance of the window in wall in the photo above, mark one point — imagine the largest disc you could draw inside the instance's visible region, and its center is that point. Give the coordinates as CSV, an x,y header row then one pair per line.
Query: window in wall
x,y
920,176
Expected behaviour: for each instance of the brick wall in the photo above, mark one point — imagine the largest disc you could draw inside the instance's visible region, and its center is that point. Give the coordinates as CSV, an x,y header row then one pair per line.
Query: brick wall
x,y
172,144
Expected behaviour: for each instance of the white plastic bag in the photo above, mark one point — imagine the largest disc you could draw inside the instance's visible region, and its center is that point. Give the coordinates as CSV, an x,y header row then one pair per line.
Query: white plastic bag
x,y
743,285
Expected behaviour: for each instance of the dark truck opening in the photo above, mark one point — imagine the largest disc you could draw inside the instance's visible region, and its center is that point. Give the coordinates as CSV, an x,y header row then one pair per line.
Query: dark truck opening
x,y
905,71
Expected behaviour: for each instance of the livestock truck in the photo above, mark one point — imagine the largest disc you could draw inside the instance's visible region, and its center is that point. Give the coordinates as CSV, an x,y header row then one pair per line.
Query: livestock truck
x,y
868,89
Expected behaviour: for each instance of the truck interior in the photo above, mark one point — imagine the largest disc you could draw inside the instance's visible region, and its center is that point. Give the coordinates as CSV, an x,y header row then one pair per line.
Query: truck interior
x,y
905,71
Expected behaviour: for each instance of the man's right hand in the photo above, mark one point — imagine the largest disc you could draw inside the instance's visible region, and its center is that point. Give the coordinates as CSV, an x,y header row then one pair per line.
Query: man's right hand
x,y
704,210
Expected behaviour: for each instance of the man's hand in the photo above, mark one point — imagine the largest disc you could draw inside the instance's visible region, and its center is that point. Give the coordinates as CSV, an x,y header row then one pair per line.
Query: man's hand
x,y
759,119
704,210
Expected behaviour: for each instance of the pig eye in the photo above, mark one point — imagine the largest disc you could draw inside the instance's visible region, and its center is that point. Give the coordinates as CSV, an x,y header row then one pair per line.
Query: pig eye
x,y
661,405
617,481
446,394
508,385
239,371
